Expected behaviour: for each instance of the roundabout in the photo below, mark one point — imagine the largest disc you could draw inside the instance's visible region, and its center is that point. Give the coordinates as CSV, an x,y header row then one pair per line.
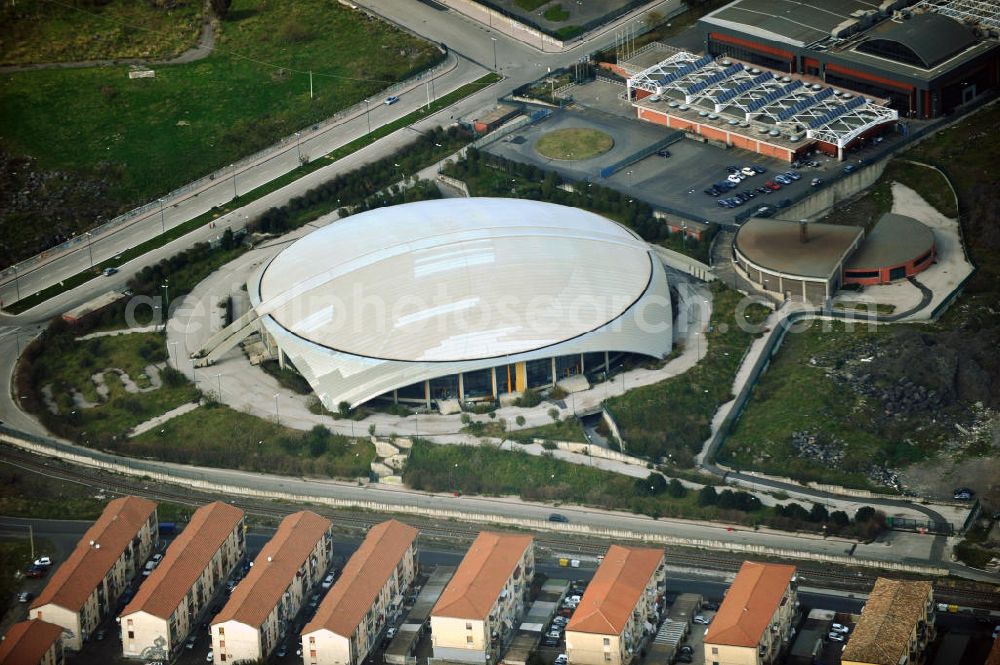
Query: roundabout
x,y
574,143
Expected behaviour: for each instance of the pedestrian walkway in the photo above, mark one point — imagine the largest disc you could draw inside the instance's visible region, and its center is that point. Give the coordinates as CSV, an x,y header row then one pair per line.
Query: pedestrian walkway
x,y
153,423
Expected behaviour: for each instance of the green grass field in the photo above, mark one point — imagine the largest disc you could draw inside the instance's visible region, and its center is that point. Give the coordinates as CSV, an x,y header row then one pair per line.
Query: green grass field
x,y
574,143
38,31
152,135
672,418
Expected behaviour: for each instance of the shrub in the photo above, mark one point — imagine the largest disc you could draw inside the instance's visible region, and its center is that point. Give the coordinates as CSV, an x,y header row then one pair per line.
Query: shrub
x,y
528,399
520,421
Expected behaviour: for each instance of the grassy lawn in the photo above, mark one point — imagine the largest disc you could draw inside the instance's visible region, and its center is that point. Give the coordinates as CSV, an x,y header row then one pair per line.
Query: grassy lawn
x,y
671,419
487,470
218,436
530,5
574,143
36,31
67,365
147,136
569,429
556,13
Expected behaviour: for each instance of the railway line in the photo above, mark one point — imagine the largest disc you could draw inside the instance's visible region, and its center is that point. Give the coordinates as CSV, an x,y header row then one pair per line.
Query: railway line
x,y
459,534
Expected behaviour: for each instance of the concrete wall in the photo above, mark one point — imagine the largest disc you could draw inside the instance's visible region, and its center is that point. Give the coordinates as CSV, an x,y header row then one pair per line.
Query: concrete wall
x,y
459,639
685,263
508,26
69,620
145,636
826,196
721,654
236,641
591,649
157,473
323,647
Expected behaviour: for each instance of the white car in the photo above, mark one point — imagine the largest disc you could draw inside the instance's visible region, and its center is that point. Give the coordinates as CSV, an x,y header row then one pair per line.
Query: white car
x,y
735,178
840,628
210,657
702,619
836,637
748,172
561,659
390,100
327,581
43,561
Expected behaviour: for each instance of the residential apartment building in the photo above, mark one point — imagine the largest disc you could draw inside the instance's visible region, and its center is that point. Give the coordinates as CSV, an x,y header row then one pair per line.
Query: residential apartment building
x,y
32,642
620,603
755,620
895,627
481,607
261,608
85,589
171,599
350,620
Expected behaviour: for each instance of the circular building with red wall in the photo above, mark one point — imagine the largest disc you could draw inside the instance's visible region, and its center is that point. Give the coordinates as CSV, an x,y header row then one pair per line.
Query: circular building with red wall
x,y
898,247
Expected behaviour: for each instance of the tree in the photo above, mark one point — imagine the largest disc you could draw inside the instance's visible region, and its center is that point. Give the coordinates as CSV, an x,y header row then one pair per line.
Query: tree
x,y
344,409
864,514
228,240
221,7
818,513
840,518
675,489
652,485
707,496
554,414
520,421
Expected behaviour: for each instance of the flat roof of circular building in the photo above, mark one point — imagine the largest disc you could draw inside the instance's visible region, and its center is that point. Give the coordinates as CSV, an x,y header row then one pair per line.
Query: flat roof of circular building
x,y
454,280
895,240
776,245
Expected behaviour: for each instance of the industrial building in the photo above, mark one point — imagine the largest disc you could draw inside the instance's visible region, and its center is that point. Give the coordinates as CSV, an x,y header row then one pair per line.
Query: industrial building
x,y
811,261
896,624
754,622
168,604
482,605
261,608
85,589
926,58
619,606
33,642
352,618
456,299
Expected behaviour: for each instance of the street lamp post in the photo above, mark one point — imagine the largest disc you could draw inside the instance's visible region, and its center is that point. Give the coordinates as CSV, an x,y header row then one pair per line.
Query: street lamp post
x,y
368,115
219,378
173,353
494,39
277,419
298,148
166,301
17,283
235,195
90,247
163,223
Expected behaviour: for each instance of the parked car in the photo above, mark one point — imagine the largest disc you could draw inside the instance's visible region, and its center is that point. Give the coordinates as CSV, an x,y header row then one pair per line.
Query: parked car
x,y
558,517
189,645
758,168
43,561
813,163
792,174
210,657
850,168
772,185
327,581
732,168
963,496
702,619
550,641
839,628
748,172
685,658
390,633
25,597
816,182
282,651
735,178
686,648
36,571
779,178
390,100
663,152
561,659
710,606
712,191
835,637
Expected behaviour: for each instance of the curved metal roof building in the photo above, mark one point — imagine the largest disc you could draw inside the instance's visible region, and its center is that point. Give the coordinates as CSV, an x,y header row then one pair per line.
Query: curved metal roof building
x,y
398,297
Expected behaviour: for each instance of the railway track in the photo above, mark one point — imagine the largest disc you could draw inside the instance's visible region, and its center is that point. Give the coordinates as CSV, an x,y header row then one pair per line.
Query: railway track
x,y
457,534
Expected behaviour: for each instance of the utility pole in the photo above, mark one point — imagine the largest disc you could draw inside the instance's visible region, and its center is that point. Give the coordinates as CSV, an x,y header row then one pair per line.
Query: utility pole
x,y
235,195
163,224
31,540
368,114
310,84
90,247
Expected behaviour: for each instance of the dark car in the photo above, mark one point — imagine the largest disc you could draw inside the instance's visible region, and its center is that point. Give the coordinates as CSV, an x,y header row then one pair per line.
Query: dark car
x,y
550,641
36,571
849,168
557,517
663,153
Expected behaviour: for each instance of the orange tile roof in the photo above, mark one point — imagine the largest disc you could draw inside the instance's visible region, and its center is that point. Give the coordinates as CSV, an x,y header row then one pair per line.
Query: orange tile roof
x,y
362,579
482,574
749,605
78,576
26,642
185,560
274,569
617,587
882,634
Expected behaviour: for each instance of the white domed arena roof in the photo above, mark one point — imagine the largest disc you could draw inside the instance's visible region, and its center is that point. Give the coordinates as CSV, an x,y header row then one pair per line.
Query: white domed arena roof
x,y
451,282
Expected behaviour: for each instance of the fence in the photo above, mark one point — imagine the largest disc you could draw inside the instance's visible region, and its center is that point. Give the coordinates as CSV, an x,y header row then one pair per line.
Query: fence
x,y
638,155
181,475
283,145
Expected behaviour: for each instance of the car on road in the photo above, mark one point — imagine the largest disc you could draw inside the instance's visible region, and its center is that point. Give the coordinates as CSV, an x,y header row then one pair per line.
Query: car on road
x,y
561,659
43,561
686,648
108,272
390,633
835,637
850,168
663,152
816,182
558,517
840,628
25,597
282,651
702,619
36,571
189,645
390,100
550,641
327,581
210,657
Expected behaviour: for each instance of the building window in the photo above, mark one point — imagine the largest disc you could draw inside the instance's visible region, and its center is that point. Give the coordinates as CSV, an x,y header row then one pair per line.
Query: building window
x,y
607,641
468,625
222,644
607,655
715,651
312,653
222,630
468,639
131,635
222,657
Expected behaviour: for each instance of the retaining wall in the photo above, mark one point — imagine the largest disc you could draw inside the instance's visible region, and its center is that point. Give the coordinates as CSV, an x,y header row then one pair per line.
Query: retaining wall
x,y
143,469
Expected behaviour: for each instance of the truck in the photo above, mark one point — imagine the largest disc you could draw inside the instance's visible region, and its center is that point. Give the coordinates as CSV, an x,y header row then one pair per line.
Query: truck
x,y
168,528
